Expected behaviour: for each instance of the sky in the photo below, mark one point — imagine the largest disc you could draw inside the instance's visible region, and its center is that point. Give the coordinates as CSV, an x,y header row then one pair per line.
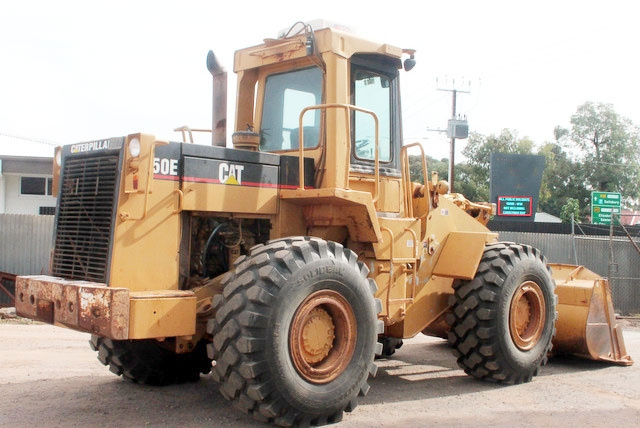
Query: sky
x,y
74,71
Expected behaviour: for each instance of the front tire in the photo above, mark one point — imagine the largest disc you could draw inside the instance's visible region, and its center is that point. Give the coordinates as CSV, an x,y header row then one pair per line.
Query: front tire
x,y
502,321
295,332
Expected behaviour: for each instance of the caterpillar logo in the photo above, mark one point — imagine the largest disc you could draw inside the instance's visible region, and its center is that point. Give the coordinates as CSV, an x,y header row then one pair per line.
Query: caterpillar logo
x,y
229,173
90,146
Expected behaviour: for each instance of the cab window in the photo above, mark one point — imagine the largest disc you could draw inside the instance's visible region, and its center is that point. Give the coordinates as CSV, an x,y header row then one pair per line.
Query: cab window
x,y
372,91
286,94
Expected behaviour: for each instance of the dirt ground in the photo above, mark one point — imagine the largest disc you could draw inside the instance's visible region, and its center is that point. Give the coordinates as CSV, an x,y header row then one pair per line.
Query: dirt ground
x,y
50,377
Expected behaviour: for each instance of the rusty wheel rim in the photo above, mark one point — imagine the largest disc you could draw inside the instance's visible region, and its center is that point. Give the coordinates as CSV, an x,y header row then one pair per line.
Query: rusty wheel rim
x,y
527,315
322,336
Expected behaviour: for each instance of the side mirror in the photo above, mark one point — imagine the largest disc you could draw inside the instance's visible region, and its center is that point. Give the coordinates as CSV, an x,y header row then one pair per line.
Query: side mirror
x,y
409,63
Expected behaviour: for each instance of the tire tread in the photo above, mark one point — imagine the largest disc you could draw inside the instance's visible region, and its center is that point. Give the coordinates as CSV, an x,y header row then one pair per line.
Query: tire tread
x,y
146,362
239,327
473,317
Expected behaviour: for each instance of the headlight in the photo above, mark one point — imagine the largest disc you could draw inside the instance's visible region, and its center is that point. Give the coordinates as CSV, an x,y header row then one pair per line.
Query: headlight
x,y
134,148
58,156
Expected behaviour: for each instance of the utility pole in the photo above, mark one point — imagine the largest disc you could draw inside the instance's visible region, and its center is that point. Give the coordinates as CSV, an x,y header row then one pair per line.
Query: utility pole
x,y
457,129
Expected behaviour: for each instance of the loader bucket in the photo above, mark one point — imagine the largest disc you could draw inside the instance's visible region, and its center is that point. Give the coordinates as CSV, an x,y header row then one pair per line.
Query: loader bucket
x,y
586,325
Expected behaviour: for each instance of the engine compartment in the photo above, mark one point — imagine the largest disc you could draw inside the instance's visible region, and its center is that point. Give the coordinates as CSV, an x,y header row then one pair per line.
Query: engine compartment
x,y
215,243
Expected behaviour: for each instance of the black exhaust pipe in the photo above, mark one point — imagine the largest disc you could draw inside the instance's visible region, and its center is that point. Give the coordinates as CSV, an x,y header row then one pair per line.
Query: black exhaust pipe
x,y
219,112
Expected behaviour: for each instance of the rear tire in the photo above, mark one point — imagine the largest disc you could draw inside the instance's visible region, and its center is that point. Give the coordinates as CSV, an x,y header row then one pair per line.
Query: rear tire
x,y
389,346
295,332
147,362
502,321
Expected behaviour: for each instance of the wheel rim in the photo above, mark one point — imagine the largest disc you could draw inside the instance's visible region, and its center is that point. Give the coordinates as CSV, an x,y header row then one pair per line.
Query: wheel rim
x,y
527,315
322,337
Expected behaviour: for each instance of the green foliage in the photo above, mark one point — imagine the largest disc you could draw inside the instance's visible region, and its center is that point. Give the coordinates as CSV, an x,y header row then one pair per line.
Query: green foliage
x,y
415,166
469,185
473,178
479,147
571,207
562,179
610,149
600,151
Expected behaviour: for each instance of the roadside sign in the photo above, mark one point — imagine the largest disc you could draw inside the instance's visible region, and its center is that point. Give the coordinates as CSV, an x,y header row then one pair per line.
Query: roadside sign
x,y
604,205
515,206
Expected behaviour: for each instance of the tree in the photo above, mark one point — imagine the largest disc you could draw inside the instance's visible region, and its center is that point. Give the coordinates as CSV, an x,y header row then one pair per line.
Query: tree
x,y
439,166
475,175
562,179
571,208
467,184
609,145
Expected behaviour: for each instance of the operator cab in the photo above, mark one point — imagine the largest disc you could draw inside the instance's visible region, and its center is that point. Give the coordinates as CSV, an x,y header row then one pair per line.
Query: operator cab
x,y
373,86
280,79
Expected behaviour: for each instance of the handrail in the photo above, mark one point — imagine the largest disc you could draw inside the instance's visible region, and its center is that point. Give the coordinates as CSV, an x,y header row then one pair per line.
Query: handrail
x,y
190,131
416,255
180,194
390,285
125,216
392,263
347,108
405,171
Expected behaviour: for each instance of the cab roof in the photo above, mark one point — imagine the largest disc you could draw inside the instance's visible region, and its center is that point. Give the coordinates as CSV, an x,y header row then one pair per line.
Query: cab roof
x,y
302,44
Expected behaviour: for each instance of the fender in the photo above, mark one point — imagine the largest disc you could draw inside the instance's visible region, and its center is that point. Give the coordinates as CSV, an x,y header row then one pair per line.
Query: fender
x,y
460,254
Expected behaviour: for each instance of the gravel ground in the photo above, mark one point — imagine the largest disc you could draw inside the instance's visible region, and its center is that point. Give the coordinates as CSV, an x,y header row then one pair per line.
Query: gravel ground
x,y
50,377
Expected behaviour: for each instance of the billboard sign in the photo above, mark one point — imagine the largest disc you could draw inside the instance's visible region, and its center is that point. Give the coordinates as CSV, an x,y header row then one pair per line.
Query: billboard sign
x,y
515,206
515,185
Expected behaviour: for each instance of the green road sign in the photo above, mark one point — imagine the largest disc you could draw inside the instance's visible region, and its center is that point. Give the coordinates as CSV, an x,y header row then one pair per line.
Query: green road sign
x,y
603,206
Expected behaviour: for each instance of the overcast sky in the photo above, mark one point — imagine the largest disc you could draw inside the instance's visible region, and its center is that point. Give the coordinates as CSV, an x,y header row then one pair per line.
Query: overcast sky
x,y
81,70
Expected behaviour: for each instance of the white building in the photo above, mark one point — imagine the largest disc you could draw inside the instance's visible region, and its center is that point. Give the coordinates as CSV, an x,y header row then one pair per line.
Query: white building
x,y
25,185
547,218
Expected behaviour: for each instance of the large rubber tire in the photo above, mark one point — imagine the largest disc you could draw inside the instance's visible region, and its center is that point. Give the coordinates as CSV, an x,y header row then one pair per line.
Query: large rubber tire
x,y
148,362
389,346
502,321
276,296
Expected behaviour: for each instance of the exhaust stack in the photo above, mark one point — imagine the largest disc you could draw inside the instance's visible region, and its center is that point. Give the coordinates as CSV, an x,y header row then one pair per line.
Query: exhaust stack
x,y
219,111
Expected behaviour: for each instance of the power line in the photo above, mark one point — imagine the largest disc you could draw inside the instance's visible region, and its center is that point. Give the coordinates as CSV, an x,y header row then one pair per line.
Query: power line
x,y
31,140
635,165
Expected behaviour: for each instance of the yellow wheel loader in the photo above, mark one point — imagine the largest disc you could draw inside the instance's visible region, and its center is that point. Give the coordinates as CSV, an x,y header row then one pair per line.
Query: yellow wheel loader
x,y
286,264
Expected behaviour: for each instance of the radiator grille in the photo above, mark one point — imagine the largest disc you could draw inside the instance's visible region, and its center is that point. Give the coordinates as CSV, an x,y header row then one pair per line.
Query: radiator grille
x,y
85,212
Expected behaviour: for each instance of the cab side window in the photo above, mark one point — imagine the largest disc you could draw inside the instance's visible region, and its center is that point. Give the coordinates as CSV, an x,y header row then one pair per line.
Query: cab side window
x,y
286,95
372,91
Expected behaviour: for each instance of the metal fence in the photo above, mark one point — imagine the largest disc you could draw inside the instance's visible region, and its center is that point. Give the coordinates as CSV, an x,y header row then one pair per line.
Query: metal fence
x,y
25,243
612,257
